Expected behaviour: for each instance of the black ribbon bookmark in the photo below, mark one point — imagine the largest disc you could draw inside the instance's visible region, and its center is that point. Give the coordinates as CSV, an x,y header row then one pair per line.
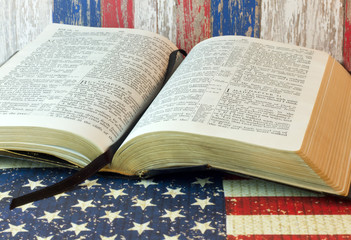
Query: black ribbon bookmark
x,y
96,165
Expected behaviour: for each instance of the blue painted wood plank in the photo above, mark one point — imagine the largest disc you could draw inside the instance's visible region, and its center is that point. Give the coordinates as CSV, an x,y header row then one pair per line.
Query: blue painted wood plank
x,y
77,12
235,17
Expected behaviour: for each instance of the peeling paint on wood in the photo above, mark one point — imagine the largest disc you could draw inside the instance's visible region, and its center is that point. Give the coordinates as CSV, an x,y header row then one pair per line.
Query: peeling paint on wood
x,y
313,24
20,22
166,24
347,38
77,12
323,25
153,15
145,15
117,13
193,22
156,16
8,34
236,17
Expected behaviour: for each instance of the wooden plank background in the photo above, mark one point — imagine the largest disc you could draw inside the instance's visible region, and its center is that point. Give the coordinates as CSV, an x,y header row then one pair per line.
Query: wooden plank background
x,y
314,24
20,22
347,38
320,24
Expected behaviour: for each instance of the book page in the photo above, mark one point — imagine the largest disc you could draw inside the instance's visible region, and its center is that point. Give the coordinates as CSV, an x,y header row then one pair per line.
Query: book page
x,y
16,163
245,89
88,81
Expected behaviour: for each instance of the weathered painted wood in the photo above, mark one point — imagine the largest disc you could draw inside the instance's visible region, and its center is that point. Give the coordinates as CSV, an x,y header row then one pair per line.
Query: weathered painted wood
x,y
77,12
193,22
8,39
166,19
313,24
347,38
20,22
117,13
156,16
236,17
324,25
145,15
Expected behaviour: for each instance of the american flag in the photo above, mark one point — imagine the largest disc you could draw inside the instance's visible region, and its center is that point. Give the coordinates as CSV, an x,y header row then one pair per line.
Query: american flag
x,y
258,209
206,205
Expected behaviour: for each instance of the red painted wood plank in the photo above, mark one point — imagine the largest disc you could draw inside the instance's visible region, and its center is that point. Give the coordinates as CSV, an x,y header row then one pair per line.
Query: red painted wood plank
x,y
117,13
347,37
193,22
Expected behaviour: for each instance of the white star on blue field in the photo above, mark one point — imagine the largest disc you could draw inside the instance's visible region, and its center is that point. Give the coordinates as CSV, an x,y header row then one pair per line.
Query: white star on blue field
x,y
190,206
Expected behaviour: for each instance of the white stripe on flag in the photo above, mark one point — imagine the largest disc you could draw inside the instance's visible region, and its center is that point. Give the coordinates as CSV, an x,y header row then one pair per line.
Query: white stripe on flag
x,y
261,188
288,224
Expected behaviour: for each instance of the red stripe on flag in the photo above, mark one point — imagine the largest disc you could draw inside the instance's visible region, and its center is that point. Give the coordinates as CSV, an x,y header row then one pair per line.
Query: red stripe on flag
x,y
117,13
288,237
287,206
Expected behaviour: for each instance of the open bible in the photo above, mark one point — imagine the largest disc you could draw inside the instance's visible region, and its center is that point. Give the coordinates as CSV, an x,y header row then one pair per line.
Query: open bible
x,y
238,104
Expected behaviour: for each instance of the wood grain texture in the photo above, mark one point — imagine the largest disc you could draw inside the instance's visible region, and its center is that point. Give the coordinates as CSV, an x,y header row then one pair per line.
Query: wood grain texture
x,y
145,15
193,22
347,37
117,13
313,24
77,12
166,19
236,17
156,16
324,25
20,22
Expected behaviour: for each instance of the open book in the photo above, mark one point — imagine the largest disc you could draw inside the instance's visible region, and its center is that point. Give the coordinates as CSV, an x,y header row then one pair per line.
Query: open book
x,y
238,104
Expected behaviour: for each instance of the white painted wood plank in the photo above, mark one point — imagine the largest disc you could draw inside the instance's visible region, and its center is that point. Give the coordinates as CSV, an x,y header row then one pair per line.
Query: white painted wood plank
x,y
166,24
157,16
145,15
314,24
8,38
20,22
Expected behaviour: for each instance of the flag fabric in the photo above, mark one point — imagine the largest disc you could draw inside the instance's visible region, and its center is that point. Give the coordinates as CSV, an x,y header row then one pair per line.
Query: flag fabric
x,y
258,209
186,207
202,205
